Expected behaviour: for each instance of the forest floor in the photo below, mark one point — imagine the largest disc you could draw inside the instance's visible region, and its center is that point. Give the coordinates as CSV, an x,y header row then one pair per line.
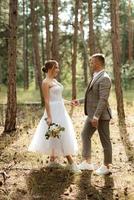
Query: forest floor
x,y
30,178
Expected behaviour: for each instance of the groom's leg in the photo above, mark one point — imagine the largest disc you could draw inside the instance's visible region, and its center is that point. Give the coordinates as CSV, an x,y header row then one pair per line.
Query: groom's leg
x,y
86,135
104,133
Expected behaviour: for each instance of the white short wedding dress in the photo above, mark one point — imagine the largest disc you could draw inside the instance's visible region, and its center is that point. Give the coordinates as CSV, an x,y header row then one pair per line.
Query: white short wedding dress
x,y
67,143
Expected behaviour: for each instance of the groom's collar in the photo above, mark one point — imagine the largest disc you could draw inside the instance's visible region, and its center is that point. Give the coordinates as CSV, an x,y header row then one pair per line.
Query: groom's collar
x,y
95,74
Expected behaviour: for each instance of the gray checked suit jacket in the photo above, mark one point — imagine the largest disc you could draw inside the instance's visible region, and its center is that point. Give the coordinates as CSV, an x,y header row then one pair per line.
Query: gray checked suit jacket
x,y
96,97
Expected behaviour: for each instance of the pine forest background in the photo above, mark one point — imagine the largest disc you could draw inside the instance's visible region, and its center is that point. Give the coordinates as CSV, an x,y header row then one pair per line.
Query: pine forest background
x,y
55,24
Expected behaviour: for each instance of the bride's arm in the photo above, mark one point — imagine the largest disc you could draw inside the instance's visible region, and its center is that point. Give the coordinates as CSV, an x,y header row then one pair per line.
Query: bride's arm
x,y
76,101
45,90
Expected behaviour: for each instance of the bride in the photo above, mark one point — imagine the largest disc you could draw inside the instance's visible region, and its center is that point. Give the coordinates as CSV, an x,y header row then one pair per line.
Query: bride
x,y
55,112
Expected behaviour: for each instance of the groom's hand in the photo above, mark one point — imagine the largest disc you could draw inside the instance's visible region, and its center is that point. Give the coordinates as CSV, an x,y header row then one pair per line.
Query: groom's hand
x,y
94,122
75,102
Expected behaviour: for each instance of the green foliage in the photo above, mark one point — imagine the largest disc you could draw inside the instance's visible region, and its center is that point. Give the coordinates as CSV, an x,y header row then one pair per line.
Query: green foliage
x,y
101,11
128,76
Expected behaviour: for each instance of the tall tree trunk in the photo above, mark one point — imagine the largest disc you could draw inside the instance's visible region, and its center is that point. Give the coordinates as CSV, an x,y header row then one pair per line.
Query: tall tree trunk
x,y
55,41
0,10
0,57
10,122
35,41
91,30
25,53
85,53
55,34
48,35
42,43
117,74
98,45
124,36
0,74
97,35
130,34
27,39
74,50
35,71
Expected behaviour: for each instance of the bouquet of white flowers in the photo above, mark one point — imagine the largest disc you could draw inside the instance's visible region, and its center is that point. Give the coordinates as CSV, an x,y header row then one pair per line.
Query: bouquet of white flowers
x,y
54,130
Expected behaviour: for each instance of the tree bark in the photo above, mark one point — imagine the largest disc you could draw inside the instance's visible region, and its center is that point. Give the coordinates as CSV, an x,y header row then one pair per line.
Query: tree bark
x,y
117,75
91,30
25,46
27,53
0,74
98,45
0,58
130,34
74,50
10,122
55,34
85,53
42,43
55,41
48,35
35,41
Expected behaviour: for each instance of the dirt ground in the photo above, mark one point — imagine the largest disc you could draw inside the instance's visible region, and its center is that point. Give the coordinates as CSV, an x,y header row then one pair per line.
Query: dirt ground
x,y
29,178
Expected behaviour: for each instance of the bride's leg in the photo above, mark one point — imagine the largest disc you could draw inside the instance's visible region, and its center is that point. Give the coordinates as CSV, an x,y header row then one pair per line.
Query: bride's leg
x,y
52,158
69,159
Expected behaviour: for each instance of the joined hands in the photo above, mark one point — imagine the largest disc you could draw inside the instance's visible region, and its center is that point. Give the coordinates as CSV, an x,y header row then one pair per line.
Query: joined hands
x,y
75,102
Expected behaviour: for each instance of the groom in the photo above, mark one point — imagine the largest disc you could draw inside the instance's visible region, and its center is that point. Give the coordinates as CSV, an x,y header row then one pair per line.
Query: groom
x,y
98,113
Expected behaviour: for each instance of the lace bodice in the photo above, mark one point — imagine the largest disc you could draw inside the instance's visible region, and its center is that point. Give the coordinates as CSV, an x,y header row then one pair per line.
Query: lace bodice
x,y
56,92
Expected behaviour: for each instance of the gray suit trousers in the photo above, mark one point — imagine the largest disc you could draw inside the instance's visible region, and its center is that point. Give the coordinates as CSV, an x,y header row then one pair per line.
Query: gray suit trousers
x,y
104,134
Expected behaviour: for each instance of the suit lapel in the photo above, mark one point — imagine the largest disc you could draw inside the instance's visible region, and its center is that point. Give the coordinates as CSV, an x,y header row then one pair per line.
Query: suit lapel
x,y
86,94
89,85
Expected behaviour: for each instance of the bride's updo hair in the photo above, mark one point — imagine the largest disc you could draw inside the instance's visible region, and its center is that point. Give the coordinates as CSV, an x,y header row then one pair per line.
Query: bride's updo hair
x,y
49,65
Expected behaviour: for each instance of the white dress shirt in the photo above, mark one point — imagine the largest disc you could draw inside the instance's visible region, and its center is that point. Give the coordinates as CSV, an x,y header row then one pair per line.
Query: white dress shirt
x,y
95,74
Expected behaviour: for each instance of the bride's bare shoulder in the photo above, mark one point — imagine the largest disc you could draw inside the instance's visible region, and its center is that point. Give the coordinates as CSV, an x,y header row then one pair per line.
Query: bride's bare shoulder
x,y
45,82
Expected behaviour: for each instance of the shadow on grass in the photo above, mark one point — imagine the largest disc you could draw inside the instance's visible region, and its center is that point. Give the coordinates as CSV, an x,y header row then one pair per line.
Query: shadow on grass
x,y
94,192
26,120
107,190
8,138
128,145
48,184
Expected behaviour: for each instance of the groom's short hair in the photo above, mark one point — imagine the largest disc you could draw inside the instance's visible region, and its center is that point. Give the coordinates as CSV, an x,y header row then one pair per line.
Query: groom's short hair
x,y
100,57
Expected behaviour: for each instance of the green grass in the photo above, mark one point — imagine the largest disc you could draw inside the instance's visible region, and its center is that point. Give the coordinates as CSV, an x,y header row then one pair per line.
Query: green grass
x,y
33,95
129,95
23,96
3,94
